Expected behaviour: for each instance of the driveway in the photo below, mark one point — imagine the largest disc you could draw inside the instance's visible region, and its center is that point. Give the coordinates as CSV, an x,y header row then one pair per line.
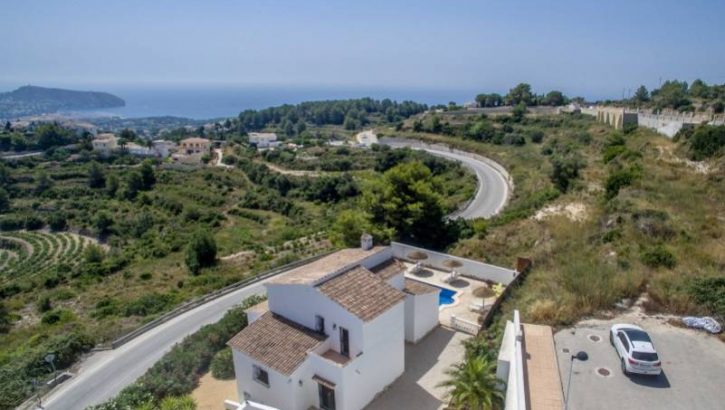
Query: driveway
x,y
425,364
693,366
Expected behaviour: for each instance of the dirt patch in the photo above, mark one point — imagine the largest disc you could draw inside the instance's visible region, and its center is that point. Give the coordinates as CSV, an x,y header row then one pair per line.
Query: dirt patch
x,y
700,167
211,393
576,211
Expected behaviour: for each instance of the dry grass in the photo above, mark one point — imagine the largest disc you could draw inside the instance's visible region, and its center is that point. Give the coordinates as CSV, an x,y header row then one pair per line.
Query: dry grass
x,y
583,268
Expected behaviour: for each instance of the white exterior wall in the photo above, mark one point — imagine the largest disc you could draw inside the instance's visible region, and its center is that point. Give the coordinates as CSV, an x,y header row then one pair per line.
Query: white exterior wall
x,y
300,304
424,318
382,361
281,393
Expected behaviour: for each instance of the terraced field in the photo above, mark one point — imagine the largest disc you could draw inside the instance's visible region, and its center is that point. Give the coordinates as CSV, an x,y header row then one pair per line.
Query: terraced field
x,y
30,254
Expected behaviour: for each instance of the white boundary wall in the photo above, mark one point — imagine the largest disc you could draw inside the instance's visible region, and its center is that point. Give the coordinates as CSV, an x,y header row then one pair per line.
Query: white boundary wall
x,y
510,366
473,269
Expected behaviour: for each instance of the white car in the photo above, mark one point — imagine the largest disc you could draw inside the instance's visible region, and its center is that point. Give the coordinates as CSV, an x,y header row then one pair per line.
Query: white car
x,y
636,351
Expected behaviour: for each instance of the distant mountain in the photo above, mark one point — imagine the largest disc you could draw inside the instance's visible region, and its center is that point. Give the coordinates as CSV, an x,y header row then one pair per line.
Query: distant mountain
x,y
32,100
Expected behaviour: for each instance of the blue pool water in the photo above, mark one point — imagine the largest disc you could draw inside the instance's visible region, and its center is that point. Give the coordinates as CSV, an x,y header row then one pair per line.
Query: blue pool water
x,y
446,296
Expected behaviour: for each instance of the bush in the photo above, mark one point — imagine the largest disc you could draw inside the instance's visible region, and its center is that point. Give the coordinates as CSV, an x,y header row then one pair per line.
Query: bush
x,y
536,136
618,180
149,304
201,252
658,256
564,171
57,221
222,365
710,293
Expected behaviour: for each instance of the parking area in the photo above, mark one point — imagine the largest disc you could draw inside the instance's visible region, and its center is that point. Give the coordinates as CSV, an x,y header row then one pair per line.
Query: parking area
x,y
693,366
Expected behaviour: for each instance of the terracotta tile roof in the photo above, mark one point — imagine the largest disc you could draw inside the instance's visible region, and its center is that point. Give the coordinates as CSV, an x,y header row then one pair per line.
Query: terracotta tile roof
x,y
361,293
415,287
388,269
276,342
312,272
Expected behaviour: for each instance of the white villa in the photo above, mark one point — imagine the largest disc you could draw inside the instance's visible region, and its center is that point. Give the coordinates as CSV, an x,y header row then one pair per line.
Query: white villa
x,y
263,139
104,143
332,334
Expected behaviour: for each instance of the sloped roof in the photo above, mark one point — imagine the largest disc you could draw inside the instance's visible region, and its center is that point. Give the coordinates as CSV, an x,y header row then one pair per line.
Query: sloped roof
x,y
361,293
312,272
388,269
415,287
276,342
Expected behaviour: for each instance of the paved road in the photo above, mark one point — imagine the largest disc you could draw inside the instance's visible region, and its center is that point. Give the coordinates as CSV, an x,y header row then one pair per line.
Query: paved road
x,y
106,373
493,188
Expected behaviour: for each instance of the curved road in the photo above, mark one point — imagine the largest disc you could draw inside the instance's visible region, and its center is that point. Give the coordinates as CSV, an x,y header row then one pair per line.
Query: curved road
x,y
105,373
493,181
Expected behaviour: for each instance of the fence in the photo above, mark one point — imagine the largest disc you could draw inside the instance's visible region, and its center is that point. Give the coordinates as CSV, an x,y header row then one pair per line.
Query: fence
x,y
464,325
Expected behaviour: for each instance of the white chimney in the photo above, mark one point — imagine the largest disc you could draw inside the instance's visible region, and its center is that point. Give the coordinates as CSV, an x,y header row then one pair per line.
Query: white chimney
x,y
366,241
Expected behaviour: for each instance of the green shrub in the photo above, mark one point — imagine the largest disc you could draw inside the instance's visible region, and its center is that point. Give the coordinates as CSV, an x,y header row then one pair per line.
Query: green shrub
x,y
222,365
201,252
57,316
658,256
149,304
710,293
618,180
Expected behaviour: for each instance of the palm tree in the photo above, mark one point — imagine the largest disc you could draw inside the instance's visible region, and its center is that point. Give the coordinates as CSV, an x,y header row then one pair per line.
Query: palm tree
x,y
473,385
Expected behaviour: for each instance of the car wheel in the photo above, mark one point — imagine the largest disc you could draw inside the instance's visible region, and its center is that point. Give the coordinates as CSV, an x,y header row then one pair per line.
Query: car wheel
x,y
611,339
624,368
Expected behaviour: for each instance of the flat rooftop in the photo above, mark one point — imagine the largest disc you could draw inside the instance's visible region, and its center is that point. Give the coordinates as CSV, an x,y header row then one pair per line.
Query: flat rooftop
x,y
541,371
312,272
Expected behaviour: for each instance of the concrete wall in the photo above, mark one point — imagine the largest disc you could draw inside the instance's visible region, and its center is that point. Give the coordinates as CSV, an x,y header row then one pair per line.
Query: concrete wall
x,y
474,269
421,316
382,361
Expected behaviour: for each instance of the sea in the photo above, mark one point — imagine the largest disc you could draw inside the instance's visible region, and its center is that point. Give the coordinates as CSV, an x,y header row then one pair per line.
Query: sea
x,y
200,103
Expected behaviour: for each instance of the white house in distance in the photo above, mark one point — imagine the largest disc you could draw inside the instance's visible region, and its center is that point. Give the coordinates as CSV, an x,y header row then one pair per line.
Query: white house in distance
x,y
104,143
332,333
164,148
263,139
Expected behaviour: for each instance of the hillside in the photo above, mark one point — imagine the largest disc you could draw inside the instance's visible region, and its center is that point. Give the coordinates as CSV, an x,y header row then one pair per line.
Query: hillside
x,y
31,100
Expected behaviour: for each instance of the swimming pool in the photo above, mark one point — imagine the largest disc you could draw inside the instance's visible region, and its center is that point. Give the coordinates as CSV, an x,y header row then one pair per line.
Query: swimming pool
x,y
445,297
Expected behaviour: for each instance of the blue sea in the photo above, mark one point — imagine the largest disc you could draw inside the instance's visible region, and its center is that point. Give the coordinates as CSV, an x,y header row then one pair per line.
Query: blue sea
x,y
218,102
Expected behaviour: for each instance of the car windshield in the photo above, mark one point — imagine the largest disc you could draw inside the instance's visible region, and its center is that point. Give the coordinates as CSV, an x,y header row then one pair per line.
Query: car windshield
x,y
637,335
645,356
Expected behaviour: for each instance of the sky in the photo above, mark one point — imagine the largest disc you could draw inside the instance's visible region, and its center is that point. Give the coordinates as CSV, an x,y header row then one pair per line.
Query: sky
x,y
589,48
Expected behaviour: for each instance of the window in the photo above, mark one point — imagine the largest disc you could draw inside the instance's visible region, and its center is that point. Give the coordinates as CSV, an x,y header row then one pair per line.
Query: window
x,y
260,375
319,323
327,397
645,356
625,343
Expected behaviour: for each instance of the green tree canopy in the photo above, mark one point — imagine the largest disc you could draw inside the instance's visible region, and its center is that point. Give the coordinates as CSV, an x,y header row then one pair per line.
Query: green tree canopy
x,y
96,177
406,202
4,200
555,98
521,94
641,95
201,252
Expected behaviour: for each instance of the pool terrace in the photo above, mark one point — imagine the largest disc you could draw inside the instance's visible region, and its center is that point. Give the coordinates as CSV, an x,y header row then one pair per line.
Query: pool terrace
x,y
466,289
